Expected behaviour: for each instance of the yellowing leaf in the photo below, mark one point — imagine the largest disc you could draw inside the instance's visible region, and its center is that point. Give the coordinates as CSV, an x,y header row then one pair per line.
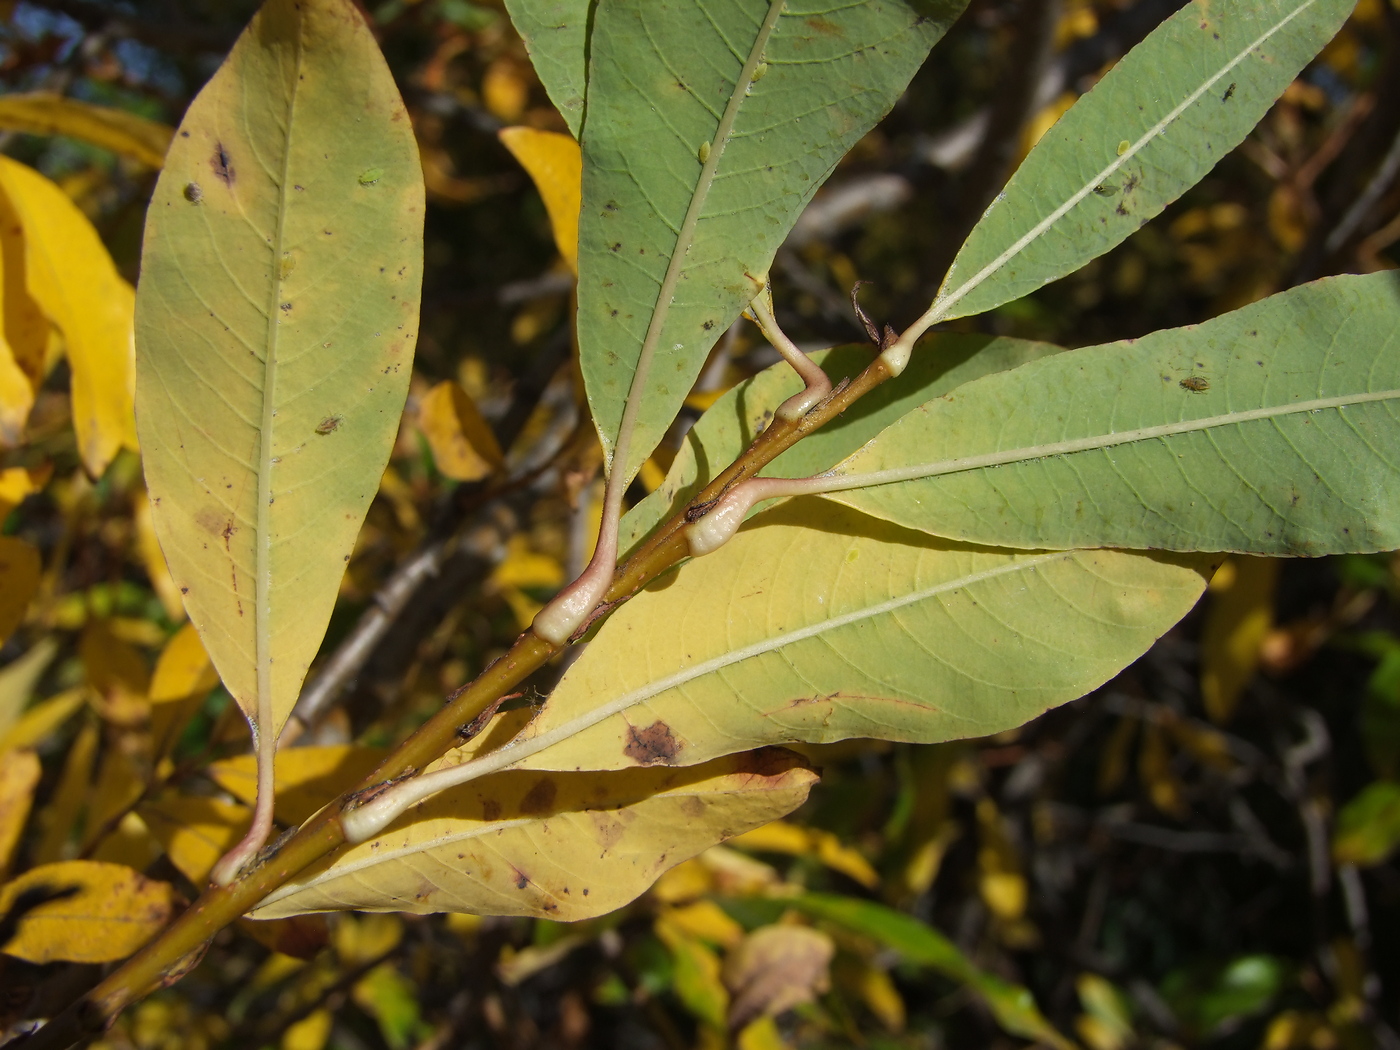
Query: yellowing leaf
x,y
359,939
277,317
44,113
877,990
26,332
392,1000
696,977
42,719
70,275
83,911
19,582
183,668
762,1034
148,548
19,773
775,969
194,831
118,786
556,165
1239,618
18,679
16,483
708,921
563,846
782,837
523,567
310,1033
463,446
307,777
60,817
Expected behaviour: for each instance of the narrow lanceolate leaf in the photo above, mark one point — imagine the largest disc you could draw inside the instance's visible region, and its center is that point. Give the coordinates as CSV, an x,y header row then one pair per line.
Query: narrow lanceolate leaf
x,y
1274,429
710,125
818,624
941,362
276,320
72,280
45,113
556,36
19,581
1147,132
561,846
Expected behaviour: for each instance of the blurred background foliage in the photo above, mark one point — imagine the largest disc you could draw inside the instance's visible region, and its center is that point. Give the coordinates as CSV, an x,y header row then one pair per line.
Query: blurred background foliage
x,y
1200,853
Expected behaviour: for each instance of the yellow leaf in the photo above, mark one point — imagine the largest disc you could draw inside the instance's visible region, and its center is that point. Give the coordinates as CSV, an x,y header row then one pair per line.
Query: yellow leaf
x,y
1239,618
148,547
69,273
183,668
26,331
696,975
92,912
523,567
563,846
306,777
556,165
463,446
762,1034
358,939
782,837
777,968
684,882
44,113
1155,771
18,679
1107,1022
42,719
19,773
59,819
116,790
19,582
194,831
875,988
129,842
117,673
310,1033
16,483
707,921
504,90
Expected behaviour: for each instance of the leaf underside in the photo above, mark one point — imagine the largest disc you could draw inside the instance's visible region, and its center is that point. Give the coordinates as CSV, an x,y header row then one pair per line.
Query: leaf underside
x,y
1146,133
276,320
1226,460
556,36
696,167
562,846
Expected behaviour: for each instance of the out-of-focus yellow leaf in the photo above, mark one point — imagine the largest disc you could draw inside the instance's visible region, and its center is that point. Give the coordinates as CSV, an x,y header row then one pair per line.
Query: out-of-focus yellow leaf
x,y
524,567
684,882
17,482
26,331
1106,1023
359,939
183,669
42,719
307,777
195,831
117,673
761,1034
310,1033
19,773
69,273
392,1000
1155,771
1240,616
92,912
45,113
60,817
783,837
776,968
696,978
18,679
463,446
148,547
118,786
515,967
708,921
1000,881
556,165
129,842
505,90
19,582
1043,121
875,988
563,846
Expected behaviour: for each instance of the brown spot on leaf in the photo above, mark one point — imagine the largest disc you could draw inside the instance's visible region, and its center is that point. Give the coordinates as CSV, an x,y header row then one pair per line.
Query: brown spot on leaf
x,y
490,810
540,797
651,746
222,164
825,26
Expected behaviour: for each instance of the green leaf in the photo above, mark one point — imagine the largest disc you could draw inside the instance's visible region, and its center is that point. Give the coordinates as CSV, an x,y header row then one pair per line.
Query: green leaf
x,y
556,36
276,320
815,623
562,846
1147,132
1269,430
941,362
710,125
1011,1004
1368,827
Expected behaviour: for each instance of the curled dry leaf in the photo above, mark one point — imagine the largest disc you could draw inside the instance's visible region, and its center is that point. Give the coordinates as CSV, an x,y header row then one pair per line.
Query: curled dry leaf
x,y
776,968
82,911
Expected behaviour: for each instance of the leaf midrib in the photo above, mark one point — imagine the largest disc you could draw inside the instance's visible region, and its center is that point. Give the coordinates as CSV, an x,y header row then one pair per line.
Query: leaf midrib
x,y
943,305
845,482
685,238
263,540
